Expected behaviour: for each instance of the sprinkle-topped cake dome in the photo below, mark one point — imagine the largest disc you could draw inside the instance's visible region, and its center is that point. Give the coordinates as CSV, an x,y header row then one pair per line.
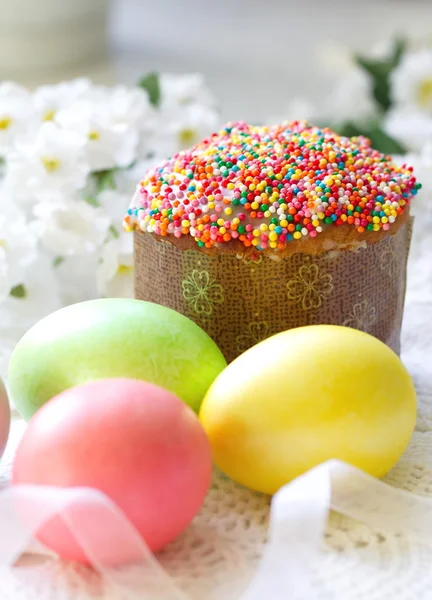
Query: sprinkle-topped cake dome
x,y
270,187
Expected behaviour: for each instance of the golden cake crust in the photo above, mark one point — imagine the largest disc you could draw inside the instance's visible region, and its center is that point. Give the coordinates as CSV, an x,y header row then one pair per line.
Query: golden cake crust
x,y
332,238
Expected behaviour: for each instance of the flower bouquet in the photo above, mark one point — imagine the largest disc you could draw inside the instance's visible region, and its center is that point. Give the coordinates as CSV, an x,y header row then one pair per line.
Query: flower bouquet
x,y
70,154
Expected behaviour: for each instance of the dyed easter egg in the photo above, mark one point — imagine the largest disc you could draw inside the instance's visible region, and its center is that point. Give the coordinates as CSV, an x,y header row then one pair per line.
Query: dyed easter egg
x,y
112,338
4,417
305,396
134,441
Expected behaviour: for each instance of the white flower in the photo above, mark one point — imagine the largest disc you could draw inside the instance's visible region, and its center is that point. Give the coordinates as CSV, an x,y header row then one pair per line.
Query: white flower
x,y
421,162
17,246
108,143
40,297
411,81
409,126
421,206
68,226
115,273
49,99
187,113
115,205
76,276
184,126
426,158
129,107
15,114
55,247
8,342
126,179
351,99
54,160
181,90
298,109
111,120
115,202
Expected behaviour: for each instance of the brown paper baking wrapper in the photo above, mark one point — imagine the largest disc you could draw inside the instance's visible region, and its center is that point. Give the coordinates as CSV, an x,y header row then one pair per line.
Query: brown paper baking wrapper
x,y
240,302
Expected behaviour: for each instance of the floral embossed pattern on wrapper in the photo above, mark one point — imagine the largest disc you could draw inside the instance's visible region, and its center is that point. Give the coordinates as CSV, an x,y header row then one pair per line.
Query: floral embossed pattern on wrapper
x,y
261,229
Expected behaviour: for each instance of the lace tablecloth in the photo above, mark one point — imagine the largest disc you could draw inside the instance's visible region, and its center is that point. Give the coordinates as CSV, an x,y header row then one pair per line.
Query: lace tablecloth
x,y
217,555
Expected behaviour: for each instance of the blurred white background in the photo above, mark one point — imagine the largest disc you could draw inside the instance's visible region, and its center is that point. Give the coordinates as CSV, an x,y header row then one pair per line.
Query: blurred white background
x,y
259,53
256,54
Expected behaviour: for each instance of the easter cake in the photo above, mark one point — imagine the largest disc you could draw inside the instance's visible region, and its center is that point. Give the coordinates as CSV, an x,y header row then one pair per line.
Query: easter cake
x,y
259,229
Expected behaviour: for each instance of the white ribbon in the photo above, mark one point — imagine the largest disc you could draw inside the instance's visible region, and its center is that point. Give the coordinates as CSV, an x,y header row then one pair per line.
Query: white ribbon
x,y
299,514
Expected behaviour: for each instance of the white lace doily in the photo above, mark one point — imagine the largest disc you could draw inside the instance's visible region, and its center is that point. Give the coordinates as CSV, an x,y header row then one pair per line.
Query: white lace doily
x,y
217,556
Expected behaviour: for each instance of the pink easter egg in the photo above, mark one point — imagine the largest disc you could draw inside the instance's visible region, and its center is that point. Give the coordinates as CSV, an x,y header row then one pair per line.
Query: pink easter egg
x,y
136,442
4,417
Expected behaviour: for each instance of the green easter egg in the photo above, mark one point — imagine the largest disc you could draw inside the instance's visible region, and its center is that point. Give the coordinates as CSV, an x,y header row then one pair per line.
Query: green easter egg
x,y
112,338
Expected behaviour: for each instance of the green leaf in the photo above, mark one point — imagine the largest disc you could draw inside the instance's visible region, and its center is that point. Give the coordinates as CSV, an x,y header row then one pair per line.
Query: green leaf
x,y
382,93
399,48
114,231
18,291
384,143
348,129
380,71
58,260
151,84
105,180
377,69
380,140
92,201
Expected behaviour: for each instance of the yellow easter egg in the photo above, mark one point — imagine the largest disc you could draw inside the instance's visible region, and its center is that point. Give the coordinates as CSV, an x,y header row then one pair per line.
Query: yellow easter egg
x,y
305,396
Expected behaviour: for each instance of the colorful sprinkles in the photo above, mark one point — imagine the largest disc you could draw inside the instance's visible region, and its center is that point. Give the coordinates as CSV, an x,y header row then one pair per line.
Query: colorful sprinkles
x,y
268,186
